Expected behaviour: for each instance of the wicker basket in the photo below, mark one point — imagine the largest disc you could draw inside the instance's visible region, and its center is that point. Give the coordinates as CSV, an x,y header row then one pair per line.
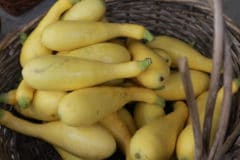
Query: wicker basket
x,y
190,21
18,7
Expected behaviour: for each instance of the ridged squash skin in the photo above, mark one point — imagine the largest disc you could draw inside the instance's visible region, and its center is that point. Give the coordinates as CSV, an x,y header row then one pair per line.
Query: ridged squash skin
x,y
89,105
174,90
157,139
90,10
65,73
83,33
177,48
33,46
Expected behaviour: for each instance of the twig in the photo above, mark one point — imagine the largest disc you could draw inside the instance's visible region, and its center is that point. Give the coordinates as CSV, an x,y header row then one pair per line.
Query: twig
x,y
216,72
192,105
227,101
229,142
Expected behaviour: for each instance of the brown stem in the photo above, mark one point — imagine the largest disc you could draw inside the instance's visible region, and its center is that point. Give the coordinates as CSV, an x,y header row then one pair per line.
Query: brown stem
x,y
192,105
216,72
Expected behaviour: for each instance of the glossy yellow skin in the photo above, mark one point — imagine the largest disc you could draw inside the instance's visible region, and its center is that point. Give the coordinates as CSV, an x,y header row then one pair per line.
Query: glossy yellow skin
x,y
156,75
9,97
145,113
177,48
65,73
157,140
185,144
127,118
70,35
164,55
174,89
33,46
104,52
66,155
90,10
24,94
44,106
89,105
119,130
92,142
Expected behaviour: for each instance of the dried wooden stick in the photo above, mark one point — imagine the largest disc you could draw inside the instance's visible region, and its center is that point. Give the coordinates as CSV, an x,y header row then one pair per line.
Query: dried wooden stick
x,y
229,142
216,72
227,101
192,105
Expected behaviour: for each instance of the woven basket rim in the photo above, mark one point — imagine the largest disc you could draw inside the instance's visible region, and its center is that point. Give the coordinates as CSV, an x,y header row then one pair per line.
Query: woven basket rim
x,y
193,6
10,37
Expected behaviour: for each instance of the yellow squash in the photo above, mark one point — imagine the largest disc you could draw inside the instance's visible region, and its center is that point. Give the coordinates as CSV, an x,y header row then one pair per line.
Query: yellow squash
x,y
127,118
69,35
89,105
91,142
156,140
66,155
90,10
24,94
156,75
185,143
44,106
9,97
174,89
119,130
65,73
33,46
104,52
164,55
177,48
145,113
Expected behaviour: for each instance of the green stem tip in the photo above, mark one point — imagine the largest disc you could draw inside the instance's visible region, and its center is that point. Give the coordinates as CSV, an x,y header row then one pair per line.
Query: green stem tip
x,y
75,1
145,63
161,102
24,102
148,36
159,88
1,113
237,81
23,37
3,98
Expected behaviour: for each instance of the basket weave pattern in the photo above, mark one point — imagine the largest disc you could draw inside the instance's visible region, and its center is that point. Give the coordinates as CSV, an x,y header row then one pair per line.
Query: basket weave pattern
x,y
17,7
190,22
